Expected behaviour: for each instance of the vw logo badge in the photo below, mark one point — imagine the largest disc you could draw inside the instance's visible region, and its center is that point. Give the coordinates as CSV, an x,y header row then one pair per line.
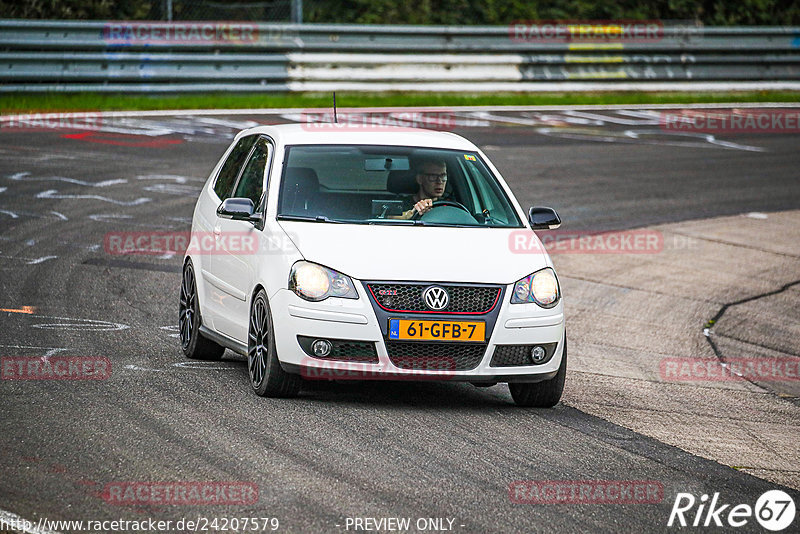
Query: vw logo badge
x,y
436,298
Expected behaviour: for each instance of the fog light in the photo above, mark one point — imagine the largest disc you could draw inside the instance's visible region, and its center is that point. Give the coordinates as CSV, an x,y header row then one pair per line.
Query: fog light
x,y
538,354
321,347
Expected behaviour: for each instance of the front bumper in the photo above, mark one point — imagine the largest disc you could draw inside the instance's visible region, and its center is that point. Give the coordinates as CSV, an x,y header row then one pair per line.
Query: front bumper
x,y
360,320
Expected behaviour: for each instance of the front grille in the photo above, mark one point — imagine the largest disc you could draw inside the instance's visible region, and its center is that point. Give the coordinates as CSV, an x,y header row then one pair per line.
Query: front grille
x,y
408,298
343,350
514,355
436,356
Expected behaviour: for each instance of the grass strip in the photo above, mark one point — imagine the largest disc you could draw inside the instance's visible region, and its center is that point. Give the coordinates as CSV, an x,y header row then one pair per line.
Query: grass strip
x,y
50,102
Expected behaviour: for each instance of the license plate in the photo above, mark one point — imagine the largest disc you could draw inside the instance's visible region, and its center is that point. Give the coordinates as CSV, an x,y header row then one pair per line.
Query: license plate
x,y
437,330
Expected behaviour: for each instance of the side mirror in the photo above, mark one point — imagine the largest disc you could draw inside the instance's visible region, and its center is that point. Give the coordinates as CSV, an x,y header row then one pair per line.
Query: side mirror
x,y
238,209
543,218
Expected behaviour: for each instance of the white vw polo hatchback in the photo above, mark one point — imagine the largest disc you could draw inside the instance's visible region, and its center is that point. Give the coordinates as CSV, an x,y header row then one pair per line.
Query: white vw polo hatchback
x,y
371,255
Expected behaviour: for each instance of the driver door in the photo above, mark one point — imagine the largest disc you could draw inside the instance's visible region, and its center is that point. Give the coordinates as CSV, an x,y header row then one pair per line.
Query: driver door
x,y
234,263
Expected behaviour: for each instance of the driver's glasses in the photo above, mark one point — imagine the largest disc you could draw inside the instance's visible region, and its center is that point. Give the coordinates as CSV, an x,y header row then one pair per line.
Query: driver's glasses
x,y
435,177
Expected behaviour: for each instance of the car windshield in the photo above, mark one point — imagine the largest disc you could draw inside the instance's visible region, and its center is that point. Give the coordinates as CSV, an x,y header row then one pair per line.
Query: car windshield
x,y
380,185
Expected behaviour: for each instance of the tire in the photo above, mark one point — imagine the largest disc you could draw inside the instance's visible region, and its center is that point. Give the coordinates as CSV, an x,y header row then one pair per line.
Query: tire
x,y
541,394
267,377
193,344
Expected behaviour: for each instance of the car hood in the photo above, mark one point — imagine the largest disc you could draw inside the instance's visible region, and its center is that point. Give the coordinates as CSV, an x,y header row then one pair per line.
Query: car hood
x,y
408,253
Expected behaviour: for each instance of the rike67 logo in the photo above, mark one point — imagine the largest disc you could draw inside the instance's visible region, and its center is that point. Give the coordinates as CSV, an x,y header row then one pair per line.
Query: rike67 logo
x,y
774,510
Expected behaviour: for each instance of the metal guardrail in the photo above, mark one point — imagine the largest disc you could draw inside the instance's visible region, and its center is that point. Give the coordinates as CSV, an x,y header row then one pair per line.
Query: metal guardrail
x,y
136,56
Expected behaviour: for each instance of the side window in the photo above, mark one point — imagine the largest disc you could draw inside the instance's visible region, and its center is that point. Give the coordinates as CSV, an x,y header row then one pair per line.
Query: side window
x,y
230,169
251,183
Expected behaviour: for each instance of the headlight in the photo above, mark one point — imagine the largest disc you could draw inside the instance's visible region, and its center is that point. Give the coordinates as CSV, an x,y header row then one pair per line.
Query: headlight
x,y
540,287
314,282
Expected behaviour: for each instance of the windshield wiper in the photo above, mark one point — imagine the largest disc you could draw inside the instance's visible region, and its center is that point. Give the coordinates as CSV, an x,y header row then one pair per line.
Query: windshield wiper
x,y
401,222
454,225
318,218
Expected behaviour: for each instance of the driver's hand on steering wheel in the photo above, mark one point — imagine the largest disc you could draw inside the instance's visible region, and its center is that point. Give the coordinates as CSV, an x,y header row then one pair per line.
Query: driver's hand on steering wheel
x,y
423,206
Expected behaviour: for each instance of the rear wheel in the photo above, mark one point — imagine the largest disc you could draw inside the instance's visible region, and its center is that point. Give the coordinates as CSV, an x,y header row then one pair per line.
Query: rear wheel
x,y
542,394
193,344
267,377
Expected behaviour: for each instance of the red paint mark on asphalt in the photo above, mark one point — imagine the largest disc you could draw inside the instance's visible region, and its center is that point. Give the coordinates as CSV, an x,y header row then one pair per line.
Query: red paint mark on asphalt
x,y
123,139
57,468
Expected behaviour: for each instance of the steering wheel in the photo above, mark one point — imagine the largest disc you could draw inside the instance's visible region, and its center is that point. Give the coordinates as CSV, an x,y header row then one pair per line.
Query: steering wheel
x,y
440,203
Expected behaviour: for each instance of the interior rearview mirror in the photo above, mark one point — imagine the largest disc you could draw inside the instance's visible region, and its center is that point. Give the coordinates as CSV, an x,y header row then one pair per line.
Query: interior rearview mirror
x,y
386,164
543,218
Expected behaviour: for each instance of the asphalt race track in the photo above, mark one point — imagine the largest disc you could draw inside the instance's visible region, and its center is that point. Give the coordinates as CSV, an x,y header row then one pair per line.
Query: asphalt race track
x,y
417,450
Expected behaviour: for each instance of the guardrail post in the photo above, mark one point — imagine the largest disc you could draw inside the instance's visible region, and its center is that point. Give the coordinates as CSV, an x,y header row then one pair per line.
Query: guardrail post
x,y
297,11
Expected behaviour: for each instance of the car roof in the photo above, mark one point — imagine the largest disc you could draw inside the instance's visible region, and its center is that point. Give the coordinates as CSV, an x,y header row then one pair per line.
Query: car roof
x,y
335,134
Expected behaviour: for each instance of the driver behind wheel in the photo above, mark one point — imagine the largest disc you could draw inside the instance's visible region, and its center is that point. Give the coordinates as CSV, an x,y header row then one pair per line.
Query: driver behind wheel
x,y
432,179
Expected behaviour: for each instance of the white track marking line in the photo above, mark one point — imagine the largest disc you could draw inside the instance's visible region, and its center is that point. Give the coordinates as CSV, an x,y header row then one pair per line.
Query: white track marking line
x,y
709,138
508,119
611,119
171,328
87,325
174,177
50,351
181,365
53,193
229,124
41,260
641,114
26,177
19,258
279,111
201,365
53,352
137,368
109,217
173,189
